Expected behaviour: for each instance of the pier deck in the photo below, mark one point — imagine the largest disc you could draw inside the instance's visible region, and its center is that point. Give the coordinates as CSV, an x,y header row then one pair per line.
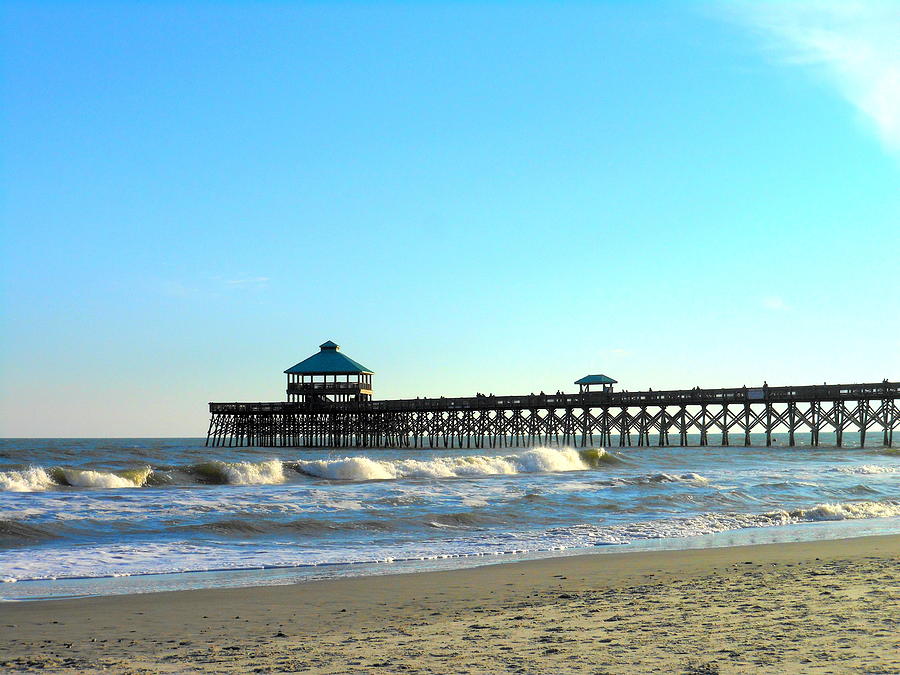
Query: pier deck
x,y
585,419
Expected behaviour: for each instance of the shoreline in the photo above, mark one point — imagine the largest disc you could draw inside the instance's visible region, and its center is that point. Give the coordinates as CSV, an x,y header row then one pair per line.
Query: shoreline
x,y
61,588
801,606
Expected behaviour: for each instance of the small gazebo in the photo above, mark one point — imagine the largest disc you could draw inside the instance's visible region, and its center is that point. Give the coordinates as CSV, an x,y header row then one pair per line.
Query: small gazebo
x,y
329,376
585,383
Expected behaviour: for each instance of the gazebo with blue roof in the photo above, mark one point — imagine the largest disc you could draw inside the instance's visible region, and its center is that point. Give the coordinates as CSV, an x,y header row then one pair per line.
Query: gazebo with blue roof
x,y
327,376
584,384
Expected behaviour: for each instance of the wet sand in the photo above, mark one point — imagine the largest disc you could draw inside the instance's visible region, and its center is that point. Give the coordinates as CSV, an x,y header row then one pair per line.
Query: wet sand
x,y
810,607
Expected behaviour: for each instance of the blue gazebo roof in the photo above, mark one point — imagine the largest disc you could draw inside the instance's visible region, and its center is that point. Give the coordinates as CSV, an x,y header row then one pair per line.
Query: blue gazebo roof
x,y
596,379
329,360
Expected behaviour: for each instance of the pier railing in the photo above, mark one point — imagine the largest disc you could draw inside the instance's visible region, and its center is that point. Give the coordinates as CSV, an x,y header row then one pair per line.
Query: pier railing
x,y
303,387
831,392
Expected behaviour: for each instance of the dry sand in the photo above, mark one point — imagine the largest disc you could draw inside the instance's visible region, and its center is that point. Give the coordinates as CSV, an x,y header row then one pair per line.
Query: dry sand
x,y
812,607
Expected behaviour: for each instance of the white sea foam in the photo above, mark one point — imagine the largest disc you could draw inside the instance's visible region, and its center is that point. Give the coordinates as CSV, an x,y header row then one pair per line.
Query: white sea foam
x,y
267,472
37,478
656,478
474,502
678,478
848,511
712,523
348,468
109,560
254,473
866,469
31,479
98,479
538,460
355,468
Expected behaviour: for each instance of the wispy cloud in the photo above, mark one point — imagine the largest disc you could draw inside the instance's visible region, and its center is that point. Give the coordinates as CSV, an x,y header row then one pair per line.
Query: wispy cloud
x,y
209,287
177,289
854,44
775,303
255,282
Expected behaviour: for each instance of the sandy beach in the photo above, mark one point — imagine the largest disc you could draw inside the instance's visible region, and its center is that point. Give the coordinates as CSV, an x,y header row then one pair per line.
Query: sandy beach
x,y
811,607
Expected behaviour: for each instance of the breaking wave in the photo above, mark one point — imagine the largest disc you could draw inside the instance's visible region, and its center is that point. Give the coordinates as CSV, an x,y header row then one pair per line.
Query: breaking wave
x,y
268,472
272,471
712,523
37,478
27,480
538,460
848,511
128,478
866,469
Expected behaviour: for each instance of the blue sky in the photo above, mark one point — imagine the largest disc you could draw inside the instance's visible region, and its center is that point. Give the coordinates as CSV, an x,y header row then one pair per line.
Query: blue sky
x,y
467,197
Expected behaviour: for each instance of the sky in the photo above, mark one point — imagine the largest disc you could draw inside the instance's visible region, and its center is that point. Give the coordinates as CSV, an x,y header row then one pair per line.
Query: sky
x,y
467,197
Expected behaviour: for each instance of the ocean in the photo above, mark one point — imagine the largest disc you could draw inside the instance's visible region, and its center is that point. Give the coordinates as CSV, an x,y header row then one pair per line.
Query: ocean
x,y
103,516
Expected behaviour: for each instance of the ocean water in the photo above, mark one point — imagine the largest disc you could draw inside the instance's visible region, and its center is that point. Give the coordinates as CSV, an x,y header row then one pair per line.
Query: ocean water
x,y
98,516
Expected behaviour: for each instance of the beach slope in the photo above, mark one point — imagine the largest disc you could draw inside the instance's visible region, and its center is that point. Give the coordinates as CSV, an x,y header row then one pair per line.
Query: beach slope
x,y
810,607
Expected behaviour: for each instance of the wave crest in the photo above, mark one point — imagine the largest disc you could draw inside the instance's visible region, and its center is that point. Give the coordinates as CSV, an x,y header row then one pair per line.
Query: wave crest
x,y
712,523
848,511
538,460
272,471
866,469
267,472
36,478
32,479
129,478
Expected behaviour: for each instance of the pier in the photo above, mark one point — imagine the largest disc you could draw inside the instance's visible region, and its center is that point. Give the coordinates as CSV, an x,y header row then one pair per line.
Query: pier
x,y
606,418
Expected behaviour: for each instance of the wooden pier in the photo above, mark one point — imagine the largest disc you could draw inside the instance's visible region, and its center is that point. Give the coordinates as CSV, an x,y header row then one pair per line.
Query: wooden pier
x,y
599,418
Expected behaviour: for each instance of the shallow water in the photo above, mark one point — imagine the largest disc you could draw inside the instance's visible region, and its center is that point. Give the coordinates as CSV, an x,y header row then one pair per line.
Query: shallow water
x,y
96,510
